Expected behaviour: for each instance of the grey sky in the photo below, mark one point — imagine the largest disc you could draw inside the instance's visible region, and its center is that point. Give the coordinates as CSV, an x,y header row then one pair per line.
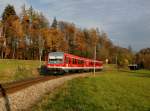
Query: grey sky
x,y
127,22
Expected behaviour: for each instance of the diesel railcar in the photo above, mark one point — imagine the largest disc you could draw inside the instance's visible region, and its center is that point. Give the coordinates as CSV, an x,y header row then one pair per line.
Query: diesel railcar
x,y
60,62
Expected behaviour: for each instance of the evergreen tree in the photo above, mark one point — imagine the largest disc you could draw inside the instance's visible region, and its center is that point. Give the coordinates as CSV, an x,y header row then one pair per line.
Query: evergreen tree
x,y
8,11
130,48
44,23
31,13
54,24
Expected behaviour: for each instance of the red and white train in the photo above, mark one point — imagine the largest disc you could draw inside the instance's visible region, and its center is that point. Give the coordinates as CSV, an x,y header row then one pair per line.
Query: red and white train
x,y
63,62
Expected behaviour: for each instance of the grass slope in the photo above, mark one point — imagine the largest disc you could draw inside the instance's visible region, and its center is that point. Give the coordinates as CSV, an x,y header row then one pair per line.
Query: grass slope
x,y
13,70
107,91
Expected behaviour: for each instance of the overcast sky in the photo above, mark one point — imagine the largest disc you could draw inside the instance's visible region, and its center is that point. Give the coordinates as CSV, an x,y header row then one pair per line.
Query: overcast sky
x,y
127,22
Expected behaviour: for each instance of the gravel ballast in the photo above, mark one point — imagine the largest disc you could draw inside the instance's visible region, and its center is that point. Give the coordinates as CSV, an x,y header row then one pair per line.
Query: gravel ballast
x,y
25,98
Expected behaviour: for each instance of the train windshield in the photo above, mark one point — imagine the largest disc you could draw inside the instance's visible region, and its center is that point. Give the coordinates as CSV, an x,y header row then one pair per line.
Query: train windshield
x,y
55,61
56,58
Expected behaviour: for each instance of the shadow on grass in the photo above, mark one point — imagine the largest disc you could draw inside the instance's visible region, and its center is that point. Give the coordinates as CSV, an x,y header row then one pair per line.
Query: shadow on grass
x,y
137,73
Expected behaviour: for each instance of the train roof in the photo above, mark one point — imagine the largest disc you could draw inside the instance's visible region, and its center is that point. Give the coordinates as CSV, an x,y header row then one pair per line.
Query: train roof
x,y
71,55
56,53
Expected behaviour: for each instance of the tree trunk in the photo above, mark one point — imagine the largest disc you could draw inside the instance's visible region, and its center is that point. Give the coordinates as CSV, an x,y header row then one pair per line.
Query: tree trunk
x,y
14,53
1,52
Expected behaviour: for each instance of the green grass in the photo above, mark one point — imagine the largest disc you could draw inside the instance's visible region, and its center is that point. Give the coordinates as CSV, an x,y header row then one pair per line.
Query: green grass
x,y
107,91
14,70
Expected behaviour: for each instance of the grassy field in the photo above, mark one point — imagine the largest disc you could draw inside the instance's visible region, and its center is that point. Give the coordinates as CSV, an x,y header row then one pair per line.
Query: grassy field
x,y
14,70
107,91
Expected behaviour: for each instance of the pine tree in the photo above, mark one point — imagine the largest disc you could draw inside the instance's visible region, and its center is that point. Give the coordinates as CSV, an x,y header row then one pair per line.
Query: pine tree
x,y
54,24
8,11
31,14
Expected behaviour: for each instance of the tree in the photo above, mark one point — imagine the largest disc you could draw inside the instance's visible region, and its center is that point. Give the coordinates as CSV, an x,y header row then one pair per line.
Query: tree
x,y
143,58
8,16
44,23
130,48
54,40
2,40
30,36
69,31
8,11
1,27
80,42
88,45
94,41
54,23
16,34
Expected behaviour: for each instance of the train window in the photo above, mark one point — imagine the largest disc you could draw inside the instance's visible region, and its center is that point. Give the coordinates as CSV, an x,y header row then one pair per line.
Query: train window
x,y
73,61
96,63
55,61
67,60
90,63
79,61
82,62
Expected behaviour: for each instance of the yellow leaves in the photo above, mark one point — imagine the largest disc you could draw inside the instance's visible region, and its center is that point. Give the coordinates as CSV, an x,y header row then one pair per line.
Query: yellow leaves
x,y
26,18
94,36
80,40
54,38
34,33
45,32
17,28
13,27
1,24
71,28
1,28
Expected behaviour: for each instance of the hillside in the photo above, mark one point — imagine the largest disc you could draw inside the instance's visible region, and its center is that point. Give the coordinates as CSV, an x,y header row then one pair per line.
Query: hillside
x,y
14,70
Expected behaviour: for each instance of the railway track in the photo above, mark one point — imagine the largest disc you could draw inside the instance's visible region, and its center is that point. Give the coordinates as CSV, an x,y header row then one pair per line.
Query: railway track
x,y
9,88
16,86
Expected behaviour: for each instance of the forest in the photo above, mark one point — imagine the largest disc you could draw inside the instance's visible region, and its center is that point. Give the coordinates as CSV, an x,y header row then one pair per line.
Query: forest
x,y
30,36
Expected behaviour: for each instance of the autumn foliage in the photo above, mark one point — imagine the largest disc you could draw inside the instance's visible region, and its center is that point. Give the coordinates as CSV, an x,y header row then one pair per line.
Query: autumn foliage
x,y
143,58
31,36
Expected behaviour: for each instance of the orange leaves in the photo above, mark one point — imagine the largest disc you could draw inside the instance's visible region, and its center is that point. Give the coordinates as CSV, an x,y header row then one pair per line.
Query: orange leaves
x,y
33,33
54,39
1,28
13,27
25,23
1,24
80,40
94,36
17,28
25,19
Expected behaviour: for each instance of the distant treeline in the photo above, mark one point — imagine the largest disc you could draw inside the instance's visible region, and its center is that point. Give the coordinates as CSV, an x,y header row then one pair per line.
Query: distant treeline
x,y
143,58
29,35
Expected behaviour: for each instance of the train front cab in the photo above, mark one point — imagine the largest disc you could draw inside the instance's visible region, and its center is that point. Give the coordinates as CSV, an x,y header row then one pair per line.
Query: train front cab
x,y
55,63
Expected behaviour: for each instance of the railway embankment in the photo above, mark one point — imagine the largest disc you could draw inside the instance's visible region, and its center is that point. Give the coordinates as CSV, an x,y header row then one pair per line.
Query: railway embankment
x,y
24,98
